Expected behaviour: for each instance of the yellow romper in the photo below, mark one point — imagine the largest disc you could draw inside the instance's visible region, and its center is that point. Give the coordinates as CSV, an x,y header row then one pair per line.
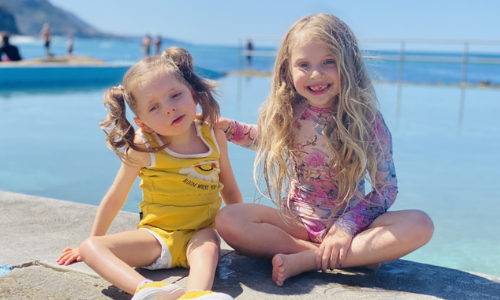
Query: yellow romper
x,y
180,195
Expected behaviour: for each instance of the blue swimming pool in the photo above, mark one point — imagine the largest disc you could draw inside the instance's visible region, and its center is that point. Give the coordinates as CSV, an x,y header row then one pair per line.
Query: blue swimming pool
x,y
446,156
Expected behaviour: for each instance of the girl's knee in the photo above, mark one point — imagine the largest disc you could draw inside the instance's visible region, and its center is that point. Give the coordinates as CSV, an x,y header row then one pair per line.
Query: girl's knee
x,y
87,247
222,217
226,220
208,250
421,226
422,220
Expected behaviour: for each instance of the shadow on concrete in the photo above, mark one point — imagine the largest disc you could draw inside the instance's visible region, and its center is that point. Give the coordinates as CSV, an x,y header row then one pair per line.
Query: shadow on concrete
x,y
166,275
170,275
115,293
399,276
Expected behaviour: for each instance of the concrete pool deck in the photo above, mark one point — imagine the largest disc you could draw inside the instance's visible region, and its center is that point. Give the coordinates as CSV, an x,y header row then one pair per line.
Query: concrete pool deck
x,y
34,230
69,71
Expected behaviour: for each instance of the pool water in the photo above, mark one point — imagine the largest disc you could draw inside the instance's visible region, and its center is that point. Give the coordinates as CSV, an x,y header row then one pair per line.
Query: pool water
x,y
446,155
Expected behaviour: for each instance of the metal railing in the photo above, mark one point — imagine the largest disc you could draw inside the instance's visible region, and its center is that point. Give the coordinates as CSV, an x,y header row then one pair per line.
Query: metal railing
x,y
464,60
402,57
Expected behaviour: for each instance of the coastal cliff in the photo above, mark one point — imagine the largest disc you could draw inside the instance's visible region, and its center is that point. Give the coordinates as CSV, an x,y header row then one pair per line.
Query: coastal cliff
x,y
30,15
7,20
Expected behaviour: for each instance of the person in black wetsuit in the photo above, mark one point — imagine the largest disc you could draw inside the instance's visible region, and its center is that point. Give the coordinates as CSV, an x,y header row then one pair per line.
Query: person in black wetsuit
x,y
46,36
249,53
10,51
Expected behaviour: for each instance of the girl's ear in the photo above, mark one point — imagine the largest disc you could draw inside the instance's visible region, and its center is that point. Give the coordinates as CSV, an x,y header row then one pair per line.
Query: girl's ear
x,y
142,126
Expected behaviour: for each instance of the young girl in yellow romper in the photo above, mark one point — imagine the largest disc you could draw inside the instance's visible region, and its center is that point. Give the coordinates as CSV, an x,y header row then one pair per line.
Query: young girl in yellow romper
x,y
184,167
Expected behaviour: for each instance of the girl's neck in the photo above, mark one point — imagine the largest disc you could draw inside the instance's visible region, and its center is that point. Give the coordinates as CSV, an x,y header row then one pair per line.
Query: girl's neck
x,y
186,143
327,109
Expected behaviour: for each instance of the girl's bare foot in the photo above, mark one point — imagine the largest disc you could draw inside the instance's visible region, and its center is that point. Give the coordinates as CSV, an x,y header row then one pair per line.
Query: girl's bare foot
x,y
289,265
286,266
278,269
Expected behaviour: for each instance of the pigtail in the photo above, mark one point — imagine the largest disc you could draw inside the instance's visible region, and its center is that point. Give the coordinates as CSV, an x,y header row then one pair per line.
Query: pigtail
x,y
203,89
119,132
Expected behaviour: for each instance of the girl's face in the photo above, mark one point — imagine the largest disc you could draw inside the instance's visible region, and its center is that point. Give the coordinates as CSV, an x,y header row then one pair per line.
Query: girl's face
x,y
165,106
314,72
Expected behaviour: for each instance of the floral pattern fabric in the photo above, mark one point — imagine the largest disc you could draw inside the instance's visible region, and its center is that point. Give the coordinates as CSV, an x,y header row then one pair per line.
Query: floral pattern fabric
x,y
313,194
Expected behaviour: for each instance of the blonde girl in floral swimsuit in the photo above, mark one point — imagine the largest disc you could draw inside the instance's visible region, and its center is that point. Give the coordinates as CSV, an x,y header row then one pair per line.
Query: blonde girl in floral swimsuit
x,y
320,135
184,167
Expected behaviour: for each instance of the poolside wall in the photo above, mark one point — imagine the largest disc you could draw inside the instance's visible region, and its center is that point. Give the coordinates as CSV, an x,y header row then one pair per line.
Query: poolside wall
x,y
34,231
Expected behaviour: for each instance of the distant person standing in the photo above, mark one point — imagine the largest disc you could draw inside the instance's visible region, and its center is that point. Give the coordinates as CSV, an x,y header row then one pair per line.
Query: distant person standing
x,y
249,53
11,52
146,45
46,36
69,44
158,44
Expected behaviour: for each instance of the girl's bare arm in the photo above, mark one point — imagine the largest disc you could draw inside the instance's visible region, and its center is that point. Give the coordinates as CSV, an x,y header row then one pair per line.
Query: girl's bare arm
x,y
230,193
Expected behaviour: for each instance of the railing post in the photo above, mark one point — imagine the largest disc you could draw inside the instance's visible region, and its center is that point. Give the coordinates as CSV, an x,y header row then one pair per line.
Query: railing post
x,y
465,62
401,61
400,79
463,84
239,56
240,47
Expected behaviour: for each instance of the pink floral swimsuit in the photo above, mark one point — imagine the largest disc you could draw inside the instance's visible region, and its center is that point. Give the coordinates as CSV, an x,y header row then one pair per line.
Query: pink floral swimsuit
x,y
313,194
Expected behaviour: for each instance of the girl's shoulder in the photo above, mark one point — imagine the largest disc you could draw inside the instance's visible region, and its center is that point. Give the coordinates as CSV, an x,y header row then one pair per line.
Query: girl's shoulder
x,y
213,133
206,129
203,125
220,136
379,127
137,157
378,118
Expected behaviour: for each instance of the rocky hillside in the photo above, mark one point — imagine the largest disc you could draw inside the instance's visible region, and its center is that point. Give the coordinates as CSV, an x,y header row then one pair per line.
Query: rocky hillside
x,y
30,15
7,20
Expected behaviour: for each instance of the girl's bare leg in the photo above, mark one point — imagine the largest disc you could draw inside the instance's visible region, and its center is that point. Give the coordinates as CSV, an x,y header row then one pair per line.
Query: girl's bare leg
x,y
203,253
113,256
389,237
256,230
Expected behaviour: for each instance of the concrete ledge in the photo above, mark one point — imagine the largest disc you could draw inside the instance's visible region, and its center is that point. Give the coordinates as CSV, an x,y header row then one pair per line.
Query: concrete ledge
x,y
24,75
34,230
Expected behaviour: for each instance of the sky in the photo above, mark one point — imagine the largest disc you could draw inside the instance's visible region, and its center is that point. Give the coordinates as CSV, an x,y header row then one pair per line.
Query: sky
x,y
226,22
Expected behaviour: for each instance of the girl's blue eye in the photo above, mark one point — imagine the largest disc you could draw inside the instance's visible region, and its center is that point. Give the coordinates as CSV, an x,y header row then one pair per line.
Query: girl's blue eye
x,y
153,108
329,62
176,95
303,65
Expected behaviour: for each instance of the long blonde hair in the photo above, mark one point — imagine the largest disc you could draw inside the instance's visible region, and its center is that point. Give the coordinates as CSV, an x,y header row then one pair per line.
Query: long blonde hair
x,y
176,61
350,132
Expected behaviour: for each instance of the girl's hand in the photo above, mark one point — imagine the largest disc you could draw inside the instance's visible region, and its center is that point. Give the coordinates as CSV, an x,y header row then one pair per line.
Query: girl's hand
x,y
68,256
333,249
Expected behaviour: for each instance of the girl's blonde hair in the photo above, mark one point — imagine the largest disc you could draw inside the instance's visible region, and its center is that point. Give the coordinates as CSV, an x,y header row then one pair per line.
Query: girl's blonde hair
x,y
349,133
174,61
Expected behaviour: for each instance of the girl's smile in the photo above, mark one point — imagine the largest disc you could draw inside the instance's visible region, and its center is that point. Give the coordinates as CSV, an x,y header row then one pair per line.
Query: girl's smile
x,y
318,89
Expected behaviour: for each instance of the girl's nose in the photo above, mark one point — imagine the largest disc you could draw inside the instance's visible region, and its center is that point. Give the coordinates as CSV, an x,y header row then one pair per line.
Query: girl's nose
x,y
316,73
170,111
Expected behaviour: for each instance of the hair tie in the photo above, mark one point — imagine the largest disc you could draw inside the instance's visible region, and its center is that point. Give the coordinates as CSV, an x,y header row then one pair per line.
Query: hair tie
x,y
167,56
